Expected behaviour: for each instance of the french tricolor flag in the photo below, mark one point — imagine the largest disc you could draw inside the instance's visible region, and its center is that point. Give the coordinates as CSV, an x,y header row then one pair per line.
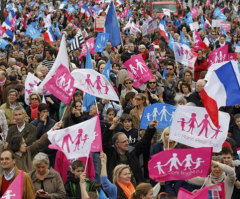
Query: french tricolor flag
x,y
222,88
118,2
163,30
49,36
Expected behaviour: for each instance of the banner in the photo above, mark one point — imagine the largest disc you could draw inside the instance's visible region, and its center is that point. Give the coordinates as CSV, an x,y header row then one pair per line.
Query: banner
x,y
101,41
99,25
183,54
138,70
61,85
194,12
157,111
94,83
90,45
75,141
152,25
226,25
180,164
124,13
218,55
193,127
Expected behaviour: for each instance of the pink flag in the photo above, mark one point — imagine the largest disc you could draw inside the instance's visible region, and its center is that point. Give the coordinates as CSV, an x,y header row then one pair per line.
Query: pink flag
x,y
15,189
198,43
97,143
124,13
209,192
61,84
74,141
208,3
13,23
90,45
138,69
218,55
194,12
180,164
94,83
1,31
232,56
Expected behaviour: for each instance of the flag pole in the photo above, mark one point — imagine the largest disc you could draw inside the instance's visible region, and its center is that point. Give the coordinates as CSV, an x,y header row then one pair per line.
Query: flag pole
x,y
96,106
86,163
64,111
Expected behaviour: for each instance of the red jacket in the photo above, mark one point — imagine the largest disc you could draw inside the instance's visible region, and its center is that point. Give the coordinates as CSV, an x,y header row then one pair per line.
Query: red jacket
x,y
199,67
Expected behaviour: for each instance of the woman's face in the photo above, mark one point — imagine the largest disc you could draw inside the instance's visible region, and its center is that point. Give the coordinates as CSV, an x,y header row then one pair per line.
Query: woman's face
x,y
34,99
101,68
133,101
185,89
23,146
216,171
78,106
41,168
166,137
110,116
139,100
149,195
128,85
24,71
125,176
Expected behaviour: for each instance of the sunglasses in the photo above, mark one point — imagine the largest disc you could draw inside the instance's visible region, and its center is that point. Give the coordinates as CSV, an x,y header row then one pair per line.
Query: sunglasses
x,y
152,82
138,99
34,98
128,82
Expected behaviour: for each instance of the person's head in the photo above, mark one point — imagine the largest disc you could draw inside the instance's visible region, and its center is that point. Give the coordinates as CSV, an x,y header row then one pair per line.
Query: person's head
x,y
101,68
188,75
237,120
227,155
199,85
77,105
11,62
77,96
152,83
24,70
34,98
178,85
185,88
216,171
77,168
48,54
180,100
110,114
122,174
41,163
170,66
44,70
19,114
120,141
126,120
140,99
18,144
2,75
130,98
170,76
165,137
200,54
222,39
12,96
93,109
141,48
7,160
131,47
128,82
109,46
42,109
213,34
143,191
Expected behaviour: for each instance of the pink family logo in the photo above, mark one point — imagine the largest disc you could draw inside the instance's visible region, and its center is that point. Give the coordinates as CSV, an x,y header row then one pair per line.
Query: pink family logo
x,y
29,90
192,125
79,141
97,84
184,52
65,84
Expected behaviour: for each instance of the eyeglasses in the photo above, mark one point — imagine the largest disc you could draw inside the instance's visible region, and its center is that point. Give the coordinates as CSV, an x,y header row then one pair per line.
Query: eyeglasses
x,y
152,82
138,99
34,98
213,34
169,68
128,82
123,142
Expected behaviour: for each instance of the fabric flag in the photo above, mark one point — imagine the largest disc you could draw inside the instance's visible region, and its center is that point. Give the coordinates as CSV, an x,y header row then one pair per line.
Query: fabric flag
x,y
78,41
112,26
202,23
9,34
218,55
166,12
75,141
49,36
118,2
124,13
102,195
32,32
193,127
88,100
232,56
170,43
61,84
183,39
3,43
1,31
218,14
138,70
163,30
58,32
157,111
94,83
20,7
194,12
183,54
31,83
101,41
208,3
6,24
222,89
164,72
62,58
106,71
89,45
188,18
97,142
224,33
209,192
198,43
180,164
71,9
15,189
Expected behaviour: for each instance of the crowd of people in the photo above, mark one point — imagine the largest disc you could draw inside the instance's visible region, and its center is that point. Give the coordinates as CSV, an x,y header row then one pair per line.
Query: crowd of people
x,y
121,170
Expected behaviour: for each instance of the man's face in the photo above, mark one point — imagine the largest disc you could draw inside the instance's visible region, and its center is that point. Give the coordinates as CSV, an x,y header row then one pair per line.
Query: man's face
x,y
122,143
43,113
237,121
78,171
93,110
222,40
187,77
12,97
227,159
7,162
214,35
109,46
19,116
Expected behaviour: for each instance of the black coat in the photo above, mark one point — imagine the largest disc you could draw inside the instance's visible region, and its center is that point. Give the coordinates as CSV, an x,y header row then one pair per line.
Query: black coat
x,y
195,98
132,160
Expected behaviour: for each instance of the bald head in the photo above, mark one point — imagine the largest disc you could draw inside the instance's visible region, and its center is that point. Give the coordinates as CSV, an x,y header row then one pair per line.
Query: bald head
x,y
200,84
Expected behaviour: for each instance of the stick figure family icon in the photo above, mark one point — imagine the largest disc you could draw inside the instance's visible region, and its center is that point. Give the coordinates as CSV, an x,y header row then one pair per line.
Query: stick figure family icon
x,y
162,115
175,163
204,124
8,195
101,88
65,84
139,67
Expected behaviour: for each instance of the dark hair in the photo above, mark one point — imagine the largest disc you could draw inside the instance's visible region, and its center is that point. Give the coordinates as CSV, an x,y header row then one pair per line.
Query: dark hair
x,y
236,116
10,151
141,190
42,107
226,151
15,143
111,110
115,137
76,164
187,85
127,117
12,76
169,73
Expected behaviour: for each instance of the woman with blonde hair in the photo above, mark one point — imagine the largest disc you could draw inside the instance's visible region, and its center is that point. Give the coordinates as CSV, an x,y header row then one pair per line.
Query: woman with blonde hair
x,y
32,109
121,188
143,191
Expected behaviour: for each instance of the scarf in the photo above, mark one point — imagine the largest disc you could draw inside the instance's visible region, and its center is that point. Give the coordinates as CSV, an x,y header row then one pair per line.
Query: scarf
x,y
127,189
215,180
34,110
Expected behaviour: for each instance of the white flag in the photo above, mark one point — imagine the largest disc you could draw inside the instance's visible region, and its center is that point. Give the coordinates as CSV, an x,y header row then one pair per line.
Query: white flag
x,y
94,83
166,12
74,141
31,83
193,127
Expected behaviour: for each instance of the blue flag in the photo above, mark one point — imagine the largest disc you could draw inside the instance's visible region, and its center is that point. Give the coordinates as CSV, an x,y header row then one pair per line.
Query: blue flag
x,y
224,33
102,195
218,13
160,112
3,43
202,23
71,9
10,6
170,43
58,32
32,3
32,32
164,72
88,100
183,39
20,7
129,14
101,41
106,71
112,27
188,18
